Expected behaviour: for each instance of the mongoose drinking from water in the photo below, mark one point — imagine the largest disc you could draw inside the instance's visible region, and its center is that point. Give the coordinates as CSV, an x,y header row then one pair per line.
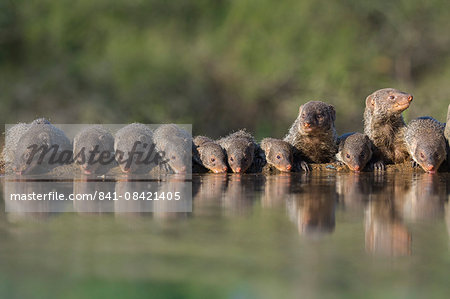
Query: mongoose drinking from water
x,y
279,153
354,150
424,139
383,123
174,146
313,133
135,148
41,148
93,150
241,150
209,154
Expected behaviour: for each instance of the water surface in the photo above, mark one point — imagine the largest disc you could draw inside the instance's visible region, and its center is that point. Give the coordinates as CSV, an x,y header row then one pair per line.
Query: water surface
x,y
325,234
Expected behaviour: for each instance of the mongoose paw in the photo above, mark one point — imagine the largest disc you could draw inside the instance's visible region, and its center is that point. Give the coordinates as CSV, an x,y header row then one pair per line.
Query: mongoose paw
x,y
378,166
414,164
305,166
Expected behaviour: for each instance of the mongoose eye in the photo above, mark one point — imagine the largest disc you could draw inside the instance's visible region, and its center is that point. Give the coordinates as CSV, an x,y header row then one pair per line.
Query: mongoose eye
x,y
278,157
391,97
173,158
422,156
231,159
213,159
320,116
362,155
348,156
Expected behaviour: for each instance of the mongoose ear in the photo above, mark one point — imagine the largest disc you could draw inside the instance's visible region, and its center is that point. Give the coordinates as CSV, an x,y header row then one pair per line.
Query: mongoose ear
x,y
300,109
332,113
370,101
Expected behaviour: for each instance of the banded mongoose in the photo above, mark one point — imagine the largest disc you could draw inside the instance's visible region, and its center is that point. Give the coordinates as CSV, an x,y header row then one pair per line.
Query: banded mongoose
x,y
209,154
41,148
313,133
241,150
135,149
93,150
174,146
354,150
383,123
278,153
425,141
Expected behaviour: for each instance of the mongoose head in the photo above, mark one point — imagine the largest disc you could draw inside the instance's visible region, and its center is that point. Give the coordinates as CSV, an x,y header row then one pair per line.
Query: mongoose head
x,y
178,154
93,150
388,101
430,154
134,149
316,116
213,157
240,155
356,151
41,148
278,153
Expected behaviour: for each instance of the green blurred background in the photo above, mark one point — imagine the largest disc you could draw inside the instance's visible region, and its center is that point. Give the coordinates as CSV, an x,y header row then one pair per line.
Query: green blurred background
x,y
220,65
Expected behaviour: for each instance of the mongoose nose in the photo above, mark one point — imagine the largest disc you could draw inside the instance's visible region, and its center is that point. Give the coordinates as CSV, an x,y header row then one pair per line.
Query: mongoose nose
x,y
410,98
289,167
357,168
307,125
429,168
238,169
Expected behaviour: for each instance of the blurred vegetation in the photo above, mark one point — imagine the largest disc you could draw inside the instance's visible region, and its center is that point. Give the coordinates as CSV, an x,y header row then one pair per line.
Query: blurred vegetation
x,y
220,65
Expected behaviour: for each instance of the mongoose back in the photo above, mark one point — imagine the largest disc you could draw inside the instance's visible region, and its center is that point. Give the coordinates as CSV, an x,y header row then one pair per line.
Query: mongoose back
x,y
93,150
278,153
41,148
383,123
313,133
209,154
240,148
424,139
354,150
174,146
135,149
12,136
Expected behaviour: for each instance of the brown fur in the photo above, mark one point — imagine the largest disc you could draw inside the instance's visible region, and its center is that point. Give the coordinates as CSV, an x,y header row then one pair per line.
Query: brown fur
x,y
355,150
424,139
313,133
384,124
